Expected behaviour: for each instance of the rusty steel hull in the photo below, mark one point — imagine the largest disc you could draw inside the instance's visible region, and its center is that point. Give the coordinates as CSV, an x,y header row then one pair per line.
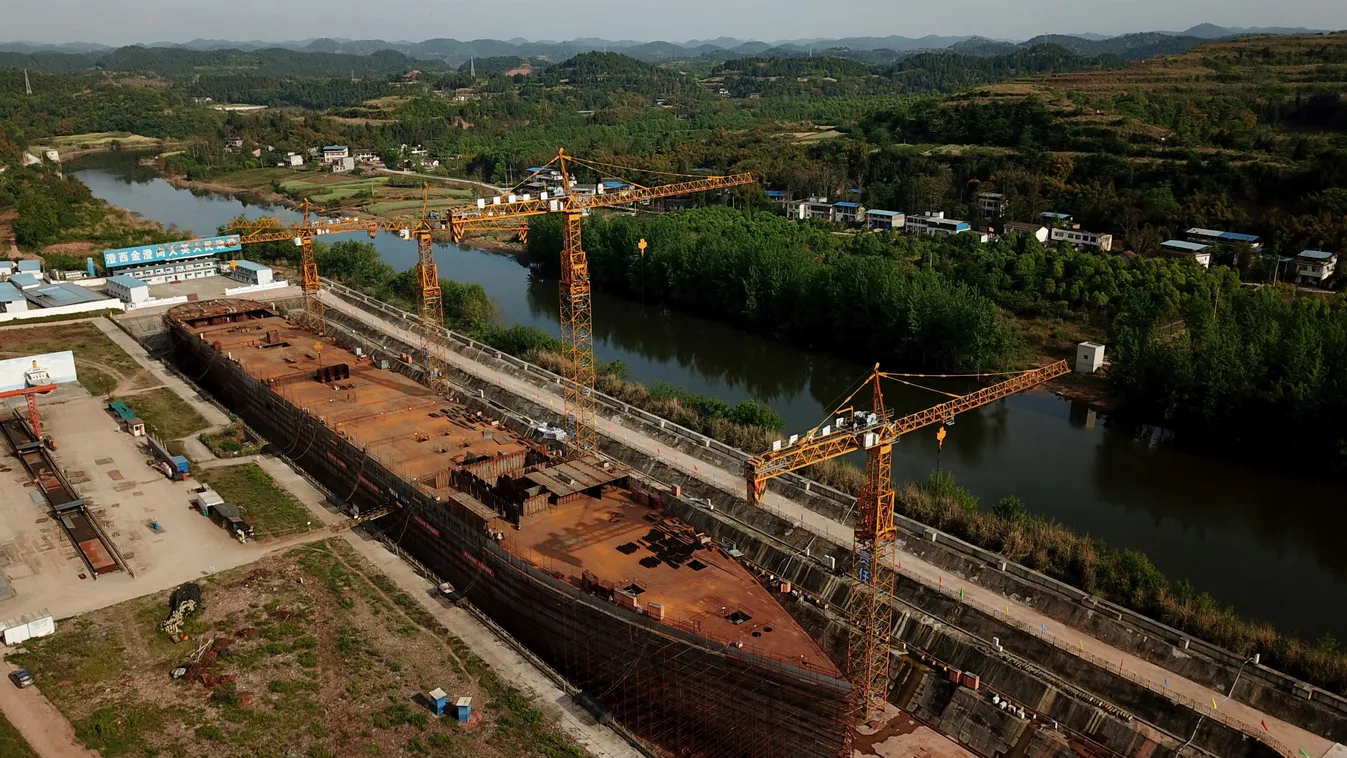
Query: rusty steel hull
x,y
679,687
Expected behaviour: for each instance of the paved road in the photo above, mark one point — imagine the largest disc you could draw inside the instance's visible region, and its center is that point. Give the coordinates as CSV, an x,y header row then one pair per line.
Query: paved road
x,y
1071,640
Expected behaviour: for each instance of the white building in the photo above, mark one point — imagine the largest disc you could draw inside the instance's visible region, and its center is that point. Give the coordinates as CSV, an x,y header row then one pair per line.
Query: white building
x,y
52,156
128,289
31,160
1314,267
29,266
991,204
1089,357
335,153
1074,235
878,220
250,273
11,299
933,223
847,213
342,165
1184,249
1037,231
817,208
294,160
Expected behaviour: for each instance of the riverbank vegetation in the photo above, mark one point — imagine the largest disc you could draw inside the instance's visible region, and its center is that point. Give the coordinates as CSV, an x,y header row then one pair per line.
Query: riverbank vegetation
x,y
1125,577
53,210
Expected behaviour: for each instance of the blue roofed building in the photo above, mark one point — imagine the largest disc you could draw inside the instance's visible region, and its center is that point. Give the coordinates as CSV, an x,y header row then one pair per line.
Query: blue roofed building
x,y
1314,267
1185,249
884,221
846,212
29,266
128,289
934,223
66,294
12,299
25,280
1051,219
1223,239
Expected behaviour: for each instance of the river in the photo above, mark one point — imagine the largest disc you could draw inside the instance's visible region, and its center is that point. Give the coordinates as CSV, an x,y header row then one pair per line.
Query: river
x,y
1264,540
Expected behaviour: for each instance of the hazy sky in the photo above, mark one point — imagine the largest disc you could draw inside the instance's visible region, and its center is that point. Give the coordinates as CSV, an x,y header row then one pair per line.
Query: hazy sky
x,y
118,22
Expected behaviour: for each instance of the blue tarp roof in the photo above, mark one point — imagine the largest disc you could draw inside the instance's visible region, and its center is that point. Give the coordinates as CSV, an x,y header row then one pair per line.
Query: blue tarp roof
x,y
1238,237
25,280
334,147
962,227
874,212
1058,216
1316,255
1192,247
30,265
9,293
776,193
250,266
847,205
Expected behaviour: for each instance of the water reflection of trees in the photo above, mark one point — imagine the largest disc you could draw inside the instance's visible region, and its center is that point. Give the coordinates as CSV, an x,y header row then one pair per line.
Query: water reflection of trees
x,y
766,369
1282,512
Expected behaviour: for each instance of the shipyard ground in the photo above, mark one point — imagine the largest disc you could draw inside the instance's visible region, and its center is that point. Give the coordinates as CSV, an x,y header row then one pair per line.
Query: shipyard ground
x,y
108,468
325,656
46,576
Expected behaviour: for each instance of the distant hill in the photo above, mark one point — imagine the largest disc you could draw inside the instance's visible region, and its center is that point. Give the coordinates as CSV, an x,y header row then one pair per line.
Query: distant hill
x,y
453,52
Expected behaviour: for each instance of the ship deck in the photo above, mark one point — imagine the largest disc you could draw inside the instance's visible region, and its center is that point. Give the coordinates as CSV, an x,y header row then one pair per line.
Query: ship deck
x,y
618,541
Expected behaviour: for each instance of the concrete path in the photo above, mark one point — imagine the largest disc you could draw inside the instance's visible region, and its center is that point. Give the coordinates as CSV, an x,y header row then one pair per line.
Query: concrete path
x,y
213,415
1248,718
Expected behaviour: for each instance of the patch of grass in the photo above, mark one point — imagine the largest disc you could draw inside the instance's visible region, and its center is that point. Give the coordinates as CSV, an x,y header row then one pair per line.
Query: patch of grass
x,y
399,714
271,510
116,730
231,442
95,381
165,414
209,732
12,744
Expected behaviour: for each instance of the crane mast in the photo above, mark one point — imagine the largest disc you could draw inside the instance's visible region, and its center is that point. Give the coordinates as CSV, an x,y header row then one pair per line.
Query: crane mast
x,y
501,213
849,430
575,286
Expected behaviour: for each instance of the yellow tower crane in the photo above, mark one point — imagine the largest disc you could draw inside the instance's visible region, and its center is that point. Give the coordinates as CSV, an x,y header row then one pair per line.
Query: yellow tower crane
x,y
849,430
269,229
501,212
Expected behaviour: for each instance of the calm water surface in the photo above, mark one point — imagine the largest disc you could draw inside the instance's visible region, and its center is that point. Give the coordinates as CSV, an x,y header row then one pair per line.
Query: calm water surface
x,y
1267,542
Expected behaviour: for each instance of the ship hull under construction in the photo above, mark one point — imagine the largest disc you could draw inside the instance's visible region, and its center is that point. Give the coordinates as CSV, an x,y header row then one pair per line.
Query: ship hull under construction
x,y
554,566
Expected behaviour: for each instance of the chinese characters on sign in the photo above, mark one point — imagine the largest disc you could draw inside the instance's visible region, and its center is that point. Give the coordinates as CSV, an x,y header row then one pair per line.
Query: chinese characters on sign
x,y
169,251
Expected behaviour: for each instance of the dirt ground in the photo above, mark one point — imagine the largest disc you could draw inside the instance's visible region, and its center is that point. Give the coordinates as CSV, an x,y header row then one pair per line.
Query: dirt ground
x,y
318,654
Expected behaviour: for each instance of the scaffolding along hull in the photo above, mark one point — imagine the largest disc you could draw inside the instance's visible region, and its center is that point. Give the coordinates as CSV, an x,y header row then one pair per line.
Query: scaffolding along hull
x,y
689,695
